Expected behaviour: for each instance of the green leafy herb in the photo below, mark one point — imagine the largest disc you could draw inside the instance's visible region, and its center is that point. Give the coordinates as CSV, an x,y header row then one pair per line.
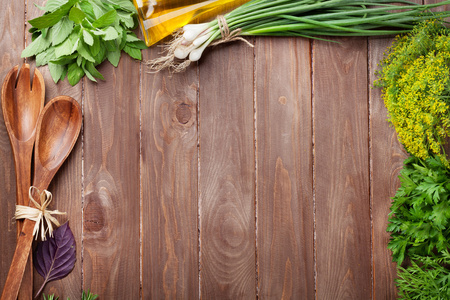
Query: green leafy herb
x,y
50,297
426,278
84,296
74,36
88,296
52,18
420,211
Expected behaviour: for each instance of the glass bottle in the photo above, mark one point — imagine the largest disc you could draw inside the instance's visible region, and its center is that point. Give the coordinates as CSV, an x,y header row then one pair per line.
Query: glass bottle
x,y
160,18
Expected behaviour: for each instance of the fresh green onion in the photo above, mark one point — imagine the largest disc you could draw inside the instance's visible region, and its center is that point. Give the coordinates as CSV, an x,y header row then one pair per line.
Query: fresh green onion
x,y
303,18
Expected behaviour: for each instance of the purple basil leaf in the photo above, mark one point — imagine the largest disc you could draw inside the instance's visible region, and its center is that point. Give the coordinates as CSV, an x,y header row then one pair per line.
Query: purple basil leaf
x,y
55,258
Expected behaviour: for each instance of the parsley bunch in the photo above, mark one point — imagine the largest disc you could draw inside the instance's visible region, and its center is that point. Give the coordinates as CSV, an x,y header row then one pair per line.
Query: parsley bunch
x,y
74,36
420,211
416,88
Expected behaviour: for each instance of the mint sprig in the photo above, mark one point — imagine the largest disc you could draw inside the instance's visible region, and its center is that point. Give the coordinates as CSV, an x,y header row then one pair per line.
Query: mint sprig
x,y
73,37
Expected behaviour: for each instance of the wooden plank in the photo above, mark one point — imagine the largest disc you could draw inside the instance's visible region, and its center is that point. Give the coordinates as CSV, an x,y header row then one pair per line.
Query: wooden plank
x,y
387,156
111,216
343,246
66,186
285,241
169,163
387,161
12,16
227,174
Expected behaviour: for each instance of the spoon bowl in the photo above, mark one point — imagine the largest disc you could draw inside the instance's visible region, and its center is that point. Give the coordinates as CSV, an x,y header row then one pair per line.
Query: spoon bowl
x,y
58,129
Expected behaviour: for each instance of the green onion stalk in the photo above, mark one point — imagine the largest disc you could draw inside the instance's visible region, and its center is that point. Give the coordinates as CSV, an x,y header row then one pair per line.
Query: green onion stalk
x,y
302,18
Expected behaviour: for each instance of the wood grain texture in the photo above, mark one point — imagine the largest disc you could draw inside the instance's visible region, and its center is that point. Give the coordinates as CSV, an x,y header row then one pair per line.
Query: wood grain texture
x,y
342,216
285,241
111,209
387,160
67,185
437,9
227,174
12,17
169,163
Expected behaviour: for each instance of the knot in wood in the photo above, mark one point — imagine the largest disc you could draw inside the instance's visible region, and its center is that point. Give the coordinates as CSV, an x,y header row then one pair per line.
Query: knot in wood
x,y
94,217
183,113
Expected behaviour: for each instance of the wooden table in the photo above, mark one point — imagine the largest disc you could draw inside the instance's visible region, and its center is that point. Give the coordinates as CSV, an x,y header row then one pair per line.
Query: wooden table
x,y
260,172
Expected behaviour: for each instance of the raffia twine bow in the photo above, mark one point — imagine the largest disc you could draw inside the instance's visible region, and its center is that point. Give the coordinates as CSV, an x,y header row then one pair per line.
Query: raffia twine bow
x,y
39,214
226,35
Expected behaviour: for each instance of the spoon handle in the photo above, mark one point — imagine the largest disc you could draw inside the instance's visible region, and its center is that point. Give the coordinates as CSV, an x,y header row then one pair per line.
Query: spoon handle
x,y
22,159
19,261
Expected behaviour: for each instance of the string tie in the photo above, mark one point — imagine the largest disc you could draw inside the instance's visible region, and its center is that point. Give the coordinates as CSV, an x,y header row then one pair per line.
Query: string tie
x,y
39,213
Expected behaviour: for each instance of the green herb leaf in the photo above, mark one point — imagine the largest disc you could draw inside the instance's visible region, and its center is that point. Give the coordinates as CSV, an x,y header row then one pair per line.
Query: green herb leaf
x,y
65,60
123,5
137,45
80,60
74,73
105,20
122,39
50,297
132,38
98,32
53,5
95,47
37,46
133,52
89,75
67,47
52,18
88,296
126,19
111,46
61,30
110,34
39,7
91,68
99,9
83,50
88,39
56,71
76,15
113,57
100,56
88,9
45,57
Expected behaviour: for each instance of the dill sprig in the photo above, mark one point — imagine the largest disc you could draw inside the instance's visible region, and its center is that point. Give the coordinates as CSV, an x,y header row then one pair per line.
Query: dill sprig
x,y
416,88
426,278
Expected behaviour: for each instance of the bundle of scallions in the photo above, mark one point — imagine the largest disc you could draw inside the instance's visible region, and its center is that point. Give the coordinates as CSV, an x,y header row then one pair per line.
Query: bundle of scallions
x,y
303,18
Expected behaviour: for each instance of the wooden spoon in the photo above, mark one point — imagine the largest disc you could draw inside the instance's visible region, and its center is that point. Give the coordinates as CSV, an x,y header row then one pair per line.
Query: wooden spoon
x,y
57,131
21,105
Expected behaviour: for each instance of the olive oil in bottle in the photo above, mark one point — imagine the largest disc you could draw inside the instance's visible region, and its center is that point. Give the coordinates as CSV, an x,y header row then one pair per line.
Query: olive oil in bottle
x,y
160,18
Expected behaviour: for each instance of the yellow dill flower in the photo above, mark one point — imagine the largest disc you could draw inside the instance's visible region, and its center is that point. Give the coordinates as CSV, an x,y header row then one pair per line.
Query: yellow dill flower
x,y
416,88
